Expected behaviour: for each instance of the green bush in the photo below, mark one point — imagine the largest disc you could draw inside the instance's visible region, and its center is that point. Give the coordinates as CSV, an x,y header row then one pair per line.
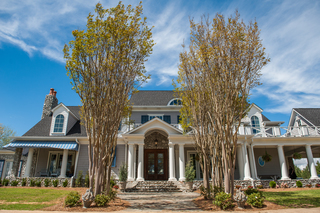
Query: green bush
x,y
72,199
5,182
86,180
24,182
65,183
46,182
223,200
112,182
55,182
272,184
32,183
14,183
38,183
217,189
0,181
251,190
123,172
79,179
112,194
299,184
190,173
255,199
260,186
101,200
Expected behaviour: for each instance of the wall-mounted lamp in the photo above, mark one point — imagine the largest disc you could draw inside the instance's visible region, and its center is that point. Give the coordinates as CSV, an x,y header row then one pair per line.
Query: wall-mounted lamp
x,y
156,142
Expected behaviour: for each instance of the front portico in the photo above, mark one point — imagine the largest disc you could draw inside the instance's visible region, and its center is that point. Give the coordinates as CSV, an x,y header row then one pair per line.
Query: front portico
x,y
152,151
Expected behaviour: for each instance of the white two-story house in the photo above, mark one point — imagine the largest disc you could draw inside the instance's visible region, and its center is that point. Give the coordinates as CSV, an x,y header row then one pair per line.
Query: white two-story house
x,y
153,144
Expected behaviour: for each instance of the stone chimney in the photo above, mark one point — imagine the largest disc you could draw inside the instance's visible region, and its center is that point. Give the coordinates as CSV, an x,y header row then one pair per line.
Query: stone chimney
x,y
50,102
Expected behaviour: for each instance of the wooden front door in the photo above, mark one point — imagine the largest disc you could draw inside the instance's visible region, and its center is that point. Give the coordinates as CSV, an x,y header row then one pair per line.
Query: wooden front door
x,y
156,164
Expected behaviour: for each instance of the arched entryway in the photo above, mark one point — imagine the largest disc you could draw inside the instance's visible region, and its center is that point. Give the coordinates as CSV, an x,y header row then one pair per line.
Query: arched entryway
x,y
156,155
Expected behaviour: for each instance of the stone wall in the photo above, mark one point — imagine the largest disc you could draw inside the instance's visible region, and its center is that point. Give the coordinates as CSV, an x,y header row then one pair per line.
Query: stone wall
x,y
10,157
60,184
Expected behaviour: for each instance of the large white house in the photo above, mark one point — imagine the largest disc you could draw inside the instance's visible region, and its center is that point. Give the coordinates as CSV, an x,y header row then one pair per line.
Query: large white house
x,y
154,146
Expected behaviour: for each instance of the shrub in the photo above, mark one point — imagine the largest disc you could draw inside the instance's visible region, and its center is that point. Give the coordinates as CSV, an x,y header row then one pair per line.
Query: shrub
x,y
284,185
5,182
38,183
251,190
299,184
217,189
260,187
123,172
308,185
79,179
14,183
205,192
24,182
46,182
223,200
55,182
115,187
272,184
112,194
101,200
86,180
238,186
72,199
32,183
190,173
65,183
112,182
317,185
255,199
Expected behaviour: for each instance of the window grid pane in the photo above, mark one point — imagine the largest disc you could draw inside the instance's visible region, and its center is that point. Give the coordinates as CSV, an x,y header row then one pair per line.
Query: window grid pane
x,y
58,126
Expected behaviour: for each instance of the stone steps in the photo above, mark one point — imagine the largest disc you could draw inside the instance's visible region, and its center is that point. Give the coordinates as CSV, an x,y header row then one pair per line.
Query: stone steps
x,y
154,186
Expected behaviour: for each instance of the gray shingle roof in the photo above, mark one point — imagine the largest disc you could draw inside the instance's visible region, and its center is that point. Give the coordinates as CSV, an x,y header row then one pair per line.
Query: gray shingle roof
x,y
42,128
311,114
152,98
264,118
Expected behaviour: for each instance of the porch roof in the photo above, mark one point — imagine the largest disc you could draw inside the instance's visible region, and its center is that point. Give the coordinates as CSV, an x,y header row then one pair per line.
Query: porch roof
x,y
71,145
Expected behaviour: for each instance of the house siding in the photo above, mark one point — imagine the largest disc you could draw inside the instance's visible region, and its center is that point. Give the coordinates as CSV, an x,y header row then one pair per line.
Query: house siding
x,y
270,168
83,160
136,116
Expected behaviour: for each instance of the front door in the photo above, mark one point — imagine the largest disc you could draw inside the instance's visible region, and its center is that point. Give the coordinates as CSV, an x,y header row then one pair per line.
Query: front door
x,y
156,164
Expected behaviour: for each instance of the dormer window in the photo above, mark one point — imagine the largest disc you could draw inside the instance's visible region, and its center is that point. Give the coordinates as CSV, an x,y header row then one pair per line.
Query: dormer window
x,y
58,125
175,102
255,124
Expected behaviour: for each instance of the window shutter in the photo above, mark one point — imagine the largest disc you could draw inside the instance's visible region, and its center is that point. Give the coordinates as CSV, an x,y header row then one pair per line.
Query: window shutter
x,y
1,167
178,119
167,118
20,166
120,126
114,158
144,119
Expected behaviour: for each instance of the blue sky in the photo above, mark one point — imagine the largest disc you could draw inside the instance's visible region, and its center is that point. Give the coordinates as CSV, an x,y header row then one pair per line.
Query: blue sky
x,y
33,32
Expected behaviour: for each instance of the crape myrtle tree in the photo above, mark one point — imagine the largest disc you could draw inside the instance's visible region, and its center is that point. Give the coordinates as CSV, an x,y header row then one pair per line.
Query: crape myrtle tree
x,y
5,134
106,65
216,74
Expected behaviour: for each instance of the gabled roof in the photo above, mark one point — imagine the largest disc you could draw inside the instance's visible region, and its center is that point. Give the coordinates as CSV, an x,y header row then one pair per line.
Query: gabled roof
x,y
264,118
42,128
152,98
311,114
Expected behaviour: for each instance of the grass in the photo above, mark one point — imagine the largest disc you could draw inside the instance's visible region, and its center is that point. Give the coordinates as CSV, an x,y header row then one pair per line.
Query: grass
x,y
295,199
22,196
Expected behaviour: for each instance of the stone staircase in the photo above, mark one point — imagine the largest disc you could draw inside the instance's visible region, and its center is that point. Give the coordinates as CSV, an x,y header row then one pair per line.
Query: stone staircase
x,y
154,186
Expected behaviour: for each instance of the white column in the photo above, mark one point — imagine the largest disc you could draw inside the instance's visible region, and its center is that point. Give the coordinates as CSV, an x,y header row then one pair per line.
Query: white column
x,y
29,162
247,173
140,163
240,161
312,167
253,163
171,162
64,164
134,162
130,163
283,166
181,163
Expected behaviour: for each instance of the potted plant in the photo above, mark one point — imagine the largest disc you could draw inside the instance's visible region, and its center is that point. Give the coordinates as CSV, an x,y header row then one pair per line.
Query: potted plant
x,y
266,157
190,175
123,175
296,155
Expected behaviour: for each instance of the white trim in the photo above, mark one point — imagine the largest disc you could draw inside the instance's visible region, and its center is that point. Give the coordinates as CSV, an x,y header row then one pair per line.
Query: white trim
x,y
173,100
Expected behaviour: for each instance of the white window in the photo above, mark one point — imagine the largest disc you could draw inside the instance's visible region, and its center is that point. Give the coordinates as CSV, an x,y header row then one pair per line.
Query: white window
x,y
255,124
55,163
58,125
175,102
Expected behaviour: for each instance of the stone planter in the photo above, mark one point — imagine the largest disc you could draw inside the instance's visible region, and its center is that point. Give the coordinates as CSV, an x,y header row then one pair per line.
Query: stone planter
x,y
122,185
87,203
189,185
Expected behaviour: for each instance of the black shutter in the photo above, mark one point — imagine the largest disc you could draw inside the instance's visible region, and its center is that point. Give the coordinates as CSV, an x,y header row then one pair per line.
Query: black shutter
x,y
144,118
167,118
178,119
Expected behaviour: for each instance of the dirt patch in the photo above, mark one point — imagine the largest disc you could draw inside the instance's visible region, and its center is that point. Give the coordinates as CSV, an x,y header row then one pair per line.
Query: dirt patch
x,y
207,205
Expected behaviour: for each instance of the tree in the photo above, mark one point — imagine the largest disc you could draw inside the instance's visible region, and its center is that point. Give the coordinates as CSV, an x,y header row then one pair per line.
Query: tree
x,y
106,66
5,134
305,173
318,167
215,77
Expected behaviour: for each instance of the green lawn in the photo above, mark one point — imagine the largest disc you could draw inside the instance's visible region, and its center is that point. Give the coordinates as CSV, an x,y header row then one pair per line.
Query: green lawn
x,y
295,199
25,195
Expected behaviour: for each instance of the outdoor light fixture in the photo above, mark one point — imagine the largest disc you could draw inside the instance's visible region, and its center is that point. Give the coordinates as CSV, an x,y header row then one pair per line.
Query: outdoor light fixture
x,y
156,142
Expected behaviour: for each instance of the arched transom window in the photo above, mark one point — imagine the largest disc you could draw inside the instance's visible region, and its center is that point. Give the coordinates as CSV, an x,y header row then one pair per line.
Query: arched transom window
x,y
58,125
175,102
255,124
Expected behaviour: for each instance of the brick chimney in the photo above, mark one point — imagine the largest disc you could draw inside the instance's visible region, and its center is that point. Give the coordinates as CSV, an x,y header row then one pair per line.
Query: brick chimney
x,y
50,102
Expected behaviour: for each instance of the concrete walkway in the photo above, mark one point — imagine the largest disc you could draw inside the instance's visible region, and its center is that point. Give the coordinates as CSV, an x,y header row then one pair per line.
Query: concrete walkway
x,y
158,201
